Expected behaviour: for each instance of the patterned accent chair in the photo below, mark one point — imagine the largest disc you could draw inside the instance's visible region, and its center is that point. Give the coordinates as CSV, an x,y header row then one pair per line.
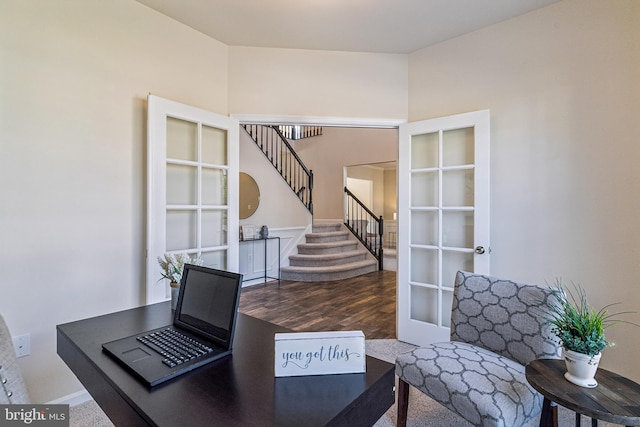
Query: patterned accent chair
x,y
496,329
12,387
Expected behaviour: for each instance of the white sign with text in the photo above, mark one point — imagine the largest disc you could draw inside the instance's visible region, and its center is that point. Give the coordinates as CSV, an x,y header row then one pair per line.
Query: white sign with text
x,y
319,353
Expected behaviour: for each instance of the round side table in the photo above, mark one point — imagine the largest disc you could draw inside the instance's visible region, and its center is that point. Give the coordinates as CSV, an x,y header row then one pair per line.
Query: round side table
x,y
616,399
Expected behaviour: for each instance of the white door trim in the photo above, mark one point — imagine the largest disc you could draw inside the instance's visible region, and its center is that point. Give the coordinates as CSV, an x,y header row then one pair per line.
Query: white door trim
x,y
319,120
431,295
158,110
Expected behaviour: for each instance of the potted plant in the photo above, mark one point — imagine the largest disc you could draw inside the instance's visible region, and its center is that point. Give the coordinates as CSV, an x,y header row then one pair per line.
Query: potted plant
x,y
580,330
172,265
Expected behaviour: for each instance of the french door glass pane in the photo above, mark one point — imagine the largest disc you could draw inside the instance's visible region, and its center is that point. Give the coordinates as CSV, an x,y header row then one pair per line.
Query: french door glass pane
x,y
424,189
182,139
447,303
452,262
214,228
457,188
457,229
424,228
458,147
424,151
424,265
215,259
214,184
181,185
214,145
424,304
181,230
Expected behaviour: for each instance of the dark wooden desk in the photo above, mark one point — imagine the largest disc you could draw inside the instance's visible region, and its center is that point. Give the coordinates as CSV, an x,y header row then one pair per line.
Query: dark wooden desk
x,y
616,399
237,391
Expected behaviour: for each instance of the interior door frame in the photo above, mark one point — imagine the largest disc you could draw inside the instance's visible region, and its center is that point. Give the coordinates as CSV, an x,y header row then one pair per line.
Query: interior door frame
x,y
388,123
157,111
425,332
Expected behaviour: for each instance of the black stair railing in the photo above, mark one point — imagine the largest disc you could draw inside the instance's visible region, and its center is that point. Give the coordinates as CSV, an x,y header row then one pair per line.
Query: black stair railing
x,y
279,152
364,225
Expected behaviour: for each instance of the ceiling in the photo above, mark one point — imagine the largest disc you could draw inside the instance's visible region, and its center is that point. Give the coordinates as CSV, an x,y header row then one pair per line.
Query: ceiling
x,y
381,26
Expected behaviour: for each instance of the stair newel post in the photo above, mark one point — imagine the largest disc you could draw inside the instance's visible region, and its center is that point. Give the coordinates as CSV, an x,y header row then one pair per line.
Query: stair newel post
x,y
347,213
380,234
310,192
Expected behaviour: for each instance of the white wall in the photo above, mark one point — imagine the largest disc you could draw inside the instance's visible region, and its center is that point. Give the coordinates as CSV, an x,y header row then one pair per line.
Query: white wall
x,y
317,83
275,193
375,175
562,86
74,77
390,193
327,156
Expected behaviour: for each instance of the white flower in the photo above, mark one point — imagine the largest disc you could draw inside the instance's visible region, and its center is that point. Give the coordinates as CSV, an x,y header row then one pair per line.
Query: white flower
x,y
172,265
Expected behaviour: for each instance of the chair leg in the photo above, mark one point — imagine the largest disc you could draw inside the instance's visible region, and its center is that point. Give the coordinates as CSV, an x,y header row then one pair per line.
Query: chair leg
x,y
403,402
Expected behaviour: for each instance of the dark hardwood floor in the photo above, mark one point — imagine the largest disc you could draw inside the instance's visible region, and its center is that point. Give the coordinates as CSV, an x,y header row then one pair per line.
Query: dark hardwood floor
x,y
366,303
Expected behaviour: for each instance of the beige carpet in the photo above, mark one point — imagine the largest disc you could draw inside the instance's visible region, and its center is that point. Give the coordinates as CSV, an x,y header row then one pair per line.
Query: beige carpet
x,y
88,414
423,411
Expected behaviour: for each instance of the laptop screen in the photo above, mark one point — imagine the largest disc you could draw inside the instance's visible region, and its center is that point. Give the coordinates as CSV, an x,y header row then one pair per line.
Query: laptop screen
x,y
208,303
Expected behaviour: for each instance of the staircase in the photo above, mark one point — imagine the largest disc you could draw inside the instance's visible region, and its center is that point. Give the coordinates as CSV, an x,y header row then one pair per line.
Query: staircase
x,y
330,251
274,145
328,254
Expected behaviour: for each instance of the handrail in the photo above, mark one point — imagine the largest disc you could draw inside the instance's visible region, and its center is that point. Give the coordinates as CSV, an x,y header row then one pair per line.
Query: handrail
x,y
283,157
358,217
291,150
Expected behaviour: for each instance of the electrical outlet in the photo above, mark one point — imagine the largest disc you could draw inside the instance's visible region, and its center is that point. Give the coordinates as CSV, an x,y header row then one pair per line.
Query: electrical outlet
x,y
22,344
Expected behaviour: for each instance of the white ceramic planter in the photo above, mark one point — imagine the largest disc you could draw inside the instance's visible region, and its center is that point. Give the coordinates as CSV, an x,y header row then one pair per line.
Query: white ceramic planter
x,y
581,368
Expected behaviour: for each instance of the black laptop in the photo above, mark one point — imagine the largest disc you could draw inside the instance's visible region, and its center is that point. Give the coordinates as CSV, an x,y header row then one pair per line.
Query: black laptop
x,y
202,330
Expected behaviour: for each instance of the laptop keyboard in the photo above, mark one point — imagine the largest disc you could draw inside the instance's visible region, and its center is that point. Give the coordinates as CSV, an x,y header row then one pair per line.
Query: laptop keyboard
x,y
176,347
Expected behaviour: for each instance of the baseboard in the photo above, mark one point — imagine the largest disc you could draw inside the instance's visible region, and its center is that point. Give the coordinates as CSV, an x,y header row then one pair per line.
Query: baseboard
x,y
72,399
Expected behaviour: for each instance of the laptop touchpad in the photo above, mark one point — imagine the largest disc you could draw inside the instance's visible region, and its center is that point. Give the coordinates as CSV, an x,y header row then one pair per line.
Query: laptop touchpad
x,y
134,355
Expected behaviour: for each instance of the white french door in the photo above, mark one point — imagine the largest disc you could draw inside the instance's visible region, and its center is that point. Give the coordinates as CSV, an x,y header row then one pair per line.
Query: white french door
x,y
443,218
192,189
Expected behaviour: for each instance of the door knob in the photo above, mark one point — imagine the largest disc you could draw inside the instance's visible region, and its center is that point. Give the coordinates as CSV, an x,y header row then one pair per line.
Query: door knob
x,y
479,250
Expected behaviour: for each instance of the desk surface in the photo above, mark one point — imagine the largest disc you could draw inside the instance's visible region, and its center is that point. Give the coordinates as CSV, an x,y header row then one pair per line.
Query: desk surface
x,y
238,390
616,399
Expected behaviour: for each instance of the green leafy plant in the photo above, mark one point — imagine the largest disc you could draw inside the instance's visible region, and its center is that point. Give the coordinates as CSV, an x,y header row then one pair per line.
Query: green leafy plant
x,y
579,327
172,265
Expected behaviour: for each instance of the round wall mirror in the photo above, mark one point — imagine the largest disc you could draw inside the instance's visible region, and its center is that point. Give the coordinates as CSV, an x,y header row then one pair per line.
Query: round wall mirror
x,y
249,195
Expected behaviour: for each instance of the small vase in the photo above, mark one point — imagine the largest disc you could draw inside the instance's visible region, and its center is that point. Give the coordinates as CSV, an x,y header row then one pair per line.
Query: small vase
x,y
581,368
175,290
